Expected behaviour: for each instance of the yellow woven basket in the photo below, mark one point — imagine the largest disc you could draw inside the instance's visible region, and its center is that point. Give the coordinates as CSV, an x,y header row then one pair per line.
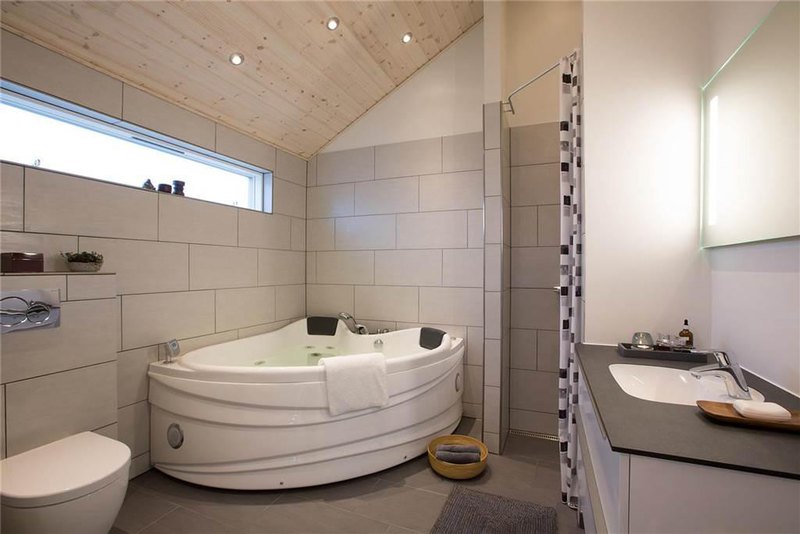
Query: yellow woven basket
x,y
457,471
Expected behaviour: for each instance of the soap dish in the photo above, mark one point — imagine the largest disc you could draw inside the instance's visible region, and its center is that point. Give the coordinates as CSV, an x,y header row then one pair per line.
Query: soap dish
x,y
726,413
626,350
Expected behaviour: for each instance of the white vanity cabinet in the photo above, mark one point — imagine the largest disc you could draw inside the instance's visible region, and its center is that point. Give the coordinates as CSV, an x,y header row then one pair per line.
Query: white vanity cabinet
x,y
623,493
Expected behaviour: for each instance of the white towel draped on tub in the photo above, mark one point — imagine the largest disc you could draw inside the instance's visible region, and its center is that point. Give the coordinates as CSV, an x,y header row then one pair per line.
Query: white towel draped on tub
x,y
355,382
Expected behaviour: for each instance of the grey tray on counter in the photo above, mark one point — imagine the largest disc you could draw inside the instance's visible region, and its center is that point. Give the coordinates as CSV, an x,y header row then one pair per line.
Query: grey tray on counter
x,y
627,350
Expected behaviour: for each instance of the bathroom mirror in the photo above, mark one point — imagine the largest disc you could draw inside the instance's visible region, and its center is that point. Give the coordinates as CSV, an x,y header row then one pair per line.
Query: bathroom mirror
x,y
751,175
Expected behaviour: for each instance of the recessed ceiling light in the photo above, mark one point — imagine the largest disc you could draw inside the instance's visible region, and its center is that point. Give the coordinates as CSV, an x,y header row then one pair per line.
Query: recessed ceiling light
x,y
407,37
236,58
332,23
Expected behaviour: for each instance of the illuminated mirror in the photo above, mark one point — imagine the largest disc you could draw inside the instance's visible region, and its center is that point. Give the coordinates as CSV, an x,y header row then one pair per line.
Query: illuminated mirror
x,y
751,152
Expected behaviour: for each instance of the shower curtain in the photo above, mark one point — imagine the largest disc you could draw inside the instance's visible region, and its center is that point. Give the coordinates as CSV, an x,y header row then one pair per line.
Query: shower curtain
x,y
570,276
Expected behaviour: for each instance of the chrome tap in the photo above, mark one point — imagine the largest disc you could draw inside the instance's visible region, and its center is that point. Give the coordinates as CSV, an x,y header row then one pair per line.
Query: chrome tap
x,y
352,325
729,371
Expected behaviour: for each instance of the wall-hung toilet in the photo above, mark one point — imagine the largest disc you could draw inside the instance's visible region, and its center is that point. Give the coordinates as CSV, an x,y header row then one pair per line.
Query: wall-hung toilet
x,y
76,484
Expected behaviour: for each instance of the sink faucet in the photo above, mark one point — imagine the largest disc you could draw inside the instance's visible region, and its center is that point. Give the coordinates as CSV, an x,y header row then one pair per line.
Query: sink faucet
x,y
352,325
729,371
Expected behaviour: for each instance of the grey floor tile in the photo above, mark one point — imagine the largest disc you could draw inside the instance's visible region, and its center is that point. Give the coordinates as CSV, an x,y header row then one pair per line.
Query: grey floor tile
x,y
313,517
399,505
401,500
182,521
140,510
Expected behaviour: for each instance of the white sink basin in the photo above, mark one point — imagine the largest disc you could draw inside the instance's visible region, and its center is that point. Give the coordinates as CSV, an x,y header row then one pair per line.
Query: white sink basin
x,y
673,386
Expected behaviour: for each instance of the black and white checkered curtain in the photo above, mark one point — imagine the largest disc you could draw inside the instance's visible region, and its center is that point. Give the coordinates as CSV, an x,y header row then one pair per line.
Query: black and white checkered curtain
x,y
570,296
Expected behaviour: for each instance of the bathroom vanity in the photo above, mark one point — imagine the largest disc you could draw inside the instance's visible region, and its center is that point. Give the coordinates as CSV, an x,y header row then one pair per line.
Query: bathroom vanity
x,y
646,466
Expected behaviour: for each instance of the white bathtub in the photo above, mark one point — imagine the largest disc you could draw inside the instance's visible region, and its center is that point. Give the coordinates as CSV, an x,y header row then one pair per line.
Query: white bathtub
x,y
253,413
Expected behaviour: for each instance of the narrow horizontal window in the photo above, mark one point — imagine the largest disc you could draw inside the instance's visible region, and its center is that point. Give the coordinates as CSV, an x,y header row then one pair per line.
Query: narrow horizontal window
x,y
38,132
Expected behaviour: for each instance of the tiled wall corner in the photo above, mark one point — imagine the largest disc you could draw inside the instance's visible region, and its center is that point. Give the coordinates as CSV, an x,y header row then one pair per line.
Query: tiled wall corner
x,y
395,236
534,272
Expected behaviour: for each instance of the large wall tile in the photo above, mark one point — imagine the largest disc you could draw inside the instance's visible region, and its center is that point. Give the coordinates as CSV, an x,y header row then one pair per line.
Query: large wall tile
x,y
547,351
534,185
493,261
290,302
213,267
543,423
238,308
452,191
264,230
91,286
411,158
86,336
345,267
11,196
50,245
277,268
491,411
385,303
153,113
534,308
17,281
474,345
523,349
493,172
243,147
291,168
475,228
311,268
492,313
534,390
399,195
134,427
492,363
524,226
188,220
331,201
451,306
473,384
298,230
159,317
462,152
549,226
132,381
143,266
366,232
491,125
329,300
198,342
355,165
64,204
534,144
320,234
493,220
440,229
462,267
262,329
408,267
288,198
311,172
48,408
535,267
34,66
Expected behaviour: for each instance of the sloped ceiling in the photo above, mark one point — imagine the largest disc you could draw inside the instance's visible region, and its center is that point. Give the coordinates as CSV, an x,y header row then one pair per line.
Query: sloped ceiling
x,y
300,84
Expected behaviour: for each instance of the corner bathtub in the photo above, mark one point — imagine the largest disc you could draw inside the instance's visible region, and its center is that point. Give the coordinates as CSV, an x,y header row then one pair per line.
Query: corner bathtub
x,y
253,413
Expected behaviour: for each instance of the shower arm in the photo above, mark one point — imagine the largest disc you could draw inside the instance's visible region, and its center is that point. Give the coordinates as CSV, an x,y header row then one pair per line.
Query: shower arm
x,y
510,104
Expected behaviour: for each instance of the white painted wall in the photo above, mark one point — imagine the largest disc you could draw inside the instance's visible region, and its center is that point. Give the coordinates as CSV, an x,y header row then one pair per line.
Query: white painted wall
x,y
443,98
755,308
644,269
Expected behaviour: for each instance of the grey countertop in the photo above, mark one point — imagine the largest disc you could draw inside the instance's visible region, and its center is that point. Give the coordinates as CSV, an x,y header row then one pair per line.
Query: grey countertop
x,y
683,433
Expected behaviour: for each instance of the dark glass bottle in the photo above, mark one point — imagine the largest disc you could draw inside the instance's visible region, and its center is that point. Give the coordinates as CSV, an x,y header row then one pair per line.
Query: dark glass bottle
x,y
687,334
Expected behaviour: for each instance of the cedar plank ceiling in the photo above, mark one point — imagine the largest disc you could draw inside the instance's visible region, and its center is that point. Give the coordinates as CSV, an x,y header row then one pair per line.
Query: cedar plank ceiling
x,y
300,84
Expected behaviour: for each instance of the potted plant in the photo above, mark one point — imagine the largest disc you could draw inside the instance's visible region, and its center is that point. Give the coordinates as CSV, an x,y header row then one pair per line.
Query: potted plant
x,y
86,262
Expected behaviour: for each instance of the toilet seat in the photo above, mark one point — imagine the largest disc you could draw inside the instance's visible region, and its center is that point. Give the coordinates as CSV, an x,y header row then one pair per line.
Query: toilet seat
x,y
62,471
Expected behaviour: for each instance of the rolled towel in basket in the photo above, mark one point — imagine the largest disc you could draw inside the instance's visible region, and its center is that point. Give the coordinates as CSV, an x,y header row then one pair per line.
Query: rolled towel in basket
x,y
458,457
458,448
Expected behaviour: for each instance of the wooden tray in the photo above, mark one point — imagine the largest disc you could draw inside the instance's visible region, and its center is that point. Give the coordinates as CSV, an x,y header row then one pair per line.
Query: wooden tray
x,y
725,412
457,471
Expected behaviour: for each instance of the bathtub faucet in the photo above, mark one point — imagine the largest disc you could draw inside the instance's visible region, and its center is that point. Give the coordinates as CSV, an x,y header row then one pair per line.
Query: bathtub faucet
x,y
352,325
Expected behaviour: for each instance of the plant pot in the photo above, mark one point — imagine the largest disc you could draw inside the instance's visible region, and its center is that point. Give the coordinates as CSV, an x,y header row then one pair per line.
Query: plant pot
x,y
84,267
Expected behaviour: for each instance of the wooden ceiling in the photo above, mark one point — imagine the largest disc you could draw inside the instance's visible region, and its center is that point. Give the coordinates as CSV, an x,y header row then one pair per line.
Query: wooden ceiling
x,y
300,84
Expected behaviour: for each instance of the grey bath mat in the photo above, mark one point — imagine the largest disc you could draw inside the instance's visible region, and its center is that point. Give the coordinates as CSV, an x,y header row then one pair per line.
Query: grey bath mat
x,y
469,511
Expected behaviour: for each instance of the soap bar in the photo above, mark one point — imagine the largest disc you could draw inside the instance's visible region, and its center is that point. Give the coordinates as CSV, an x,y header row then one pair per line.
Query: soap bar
x,y
765,411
